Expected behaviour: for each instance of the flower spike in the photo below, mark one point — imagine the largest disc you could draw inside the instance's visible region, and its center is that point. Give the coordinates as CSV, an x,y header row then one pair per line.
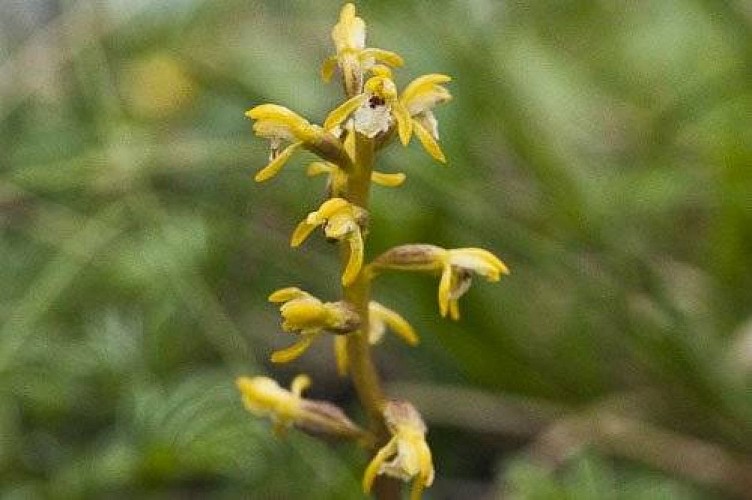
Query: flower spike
x,y
342,221
410,455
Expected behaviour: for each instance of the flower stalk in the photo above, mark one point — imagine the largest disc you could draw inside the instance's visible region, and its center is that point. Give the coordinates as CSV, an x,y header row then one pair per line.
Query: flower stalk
x,y
373,115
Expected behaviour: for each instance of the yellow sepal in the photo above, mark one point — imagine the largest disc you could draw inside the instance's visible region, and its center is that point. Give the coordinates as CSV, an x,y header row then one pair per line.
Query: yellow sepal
x,y
428,142
338,115
388,180
276,164
294,351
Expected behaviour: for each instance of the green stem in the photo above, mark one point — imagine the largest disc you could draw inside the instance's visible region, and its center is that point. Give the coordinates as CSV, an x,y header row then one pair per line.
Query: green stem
x,y
360,361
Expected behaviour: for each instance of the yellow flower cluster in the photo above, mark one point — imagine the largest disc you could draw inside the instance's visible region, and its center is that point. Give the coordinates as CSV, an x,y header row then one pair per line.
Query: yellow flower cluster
x,y
373,113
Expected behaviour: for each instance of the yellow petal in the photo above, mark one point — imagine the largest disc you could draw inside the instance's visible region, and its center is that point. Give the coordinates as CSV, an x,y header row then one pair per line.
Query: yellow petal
x,y
338,115
302,231
340,354
421,85
445,289
328,67
373,468
276,164
404,123
355,260
454,309
383,56
395,322
320,167
289,293
428,142
493,264
294,351
388,180
331,207
300,384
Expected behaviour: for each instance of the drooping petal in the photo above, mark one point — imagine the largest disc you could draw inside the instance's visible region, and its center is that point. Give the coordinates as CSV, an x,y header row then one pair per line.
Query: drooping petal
x,y
388,180
341,112
355,260
454,309
428,142
300,384
404,123
375,465
276,164
445,288
302,231
294,351
394,321
328,67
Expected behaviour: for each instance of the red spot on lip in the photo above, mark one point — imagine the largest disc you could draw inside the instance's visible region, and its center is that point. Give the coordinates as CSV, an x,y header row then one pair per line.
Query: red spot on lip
x,y
375,101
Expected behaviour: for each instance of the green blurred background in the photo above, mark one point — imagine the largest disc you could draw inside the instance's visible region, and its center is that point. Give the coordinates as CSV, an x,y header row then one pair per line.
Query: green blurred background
x,y
601,148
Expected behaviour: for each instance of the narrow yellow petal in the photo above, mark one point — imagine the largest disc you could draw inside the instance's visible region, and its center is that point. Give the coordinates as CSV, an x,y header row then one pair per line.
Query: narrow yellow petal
x,y
487,257
445,289
454,309
320,167
416,492
276,164
340,354
428,142
388,180
300,384
294,351
344,110
328,67
302,231
404,123
289,293
373,468
383,56
355,260
331,207
424,83
395,322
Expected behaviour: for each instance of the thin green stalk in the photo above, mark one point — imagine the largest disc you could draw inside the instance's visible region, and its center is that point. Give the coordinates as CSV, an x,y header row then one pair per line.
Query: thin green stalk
x,y
360,361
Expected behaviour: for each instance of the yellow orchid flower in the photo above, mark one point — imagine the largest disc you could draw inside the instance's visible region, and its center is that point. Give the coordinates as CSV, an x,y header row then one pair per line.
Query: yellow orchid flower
x,y
353,58
375,110
419,98
279,125
456,266
380,319
409,453
342,222
304,314
263,397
